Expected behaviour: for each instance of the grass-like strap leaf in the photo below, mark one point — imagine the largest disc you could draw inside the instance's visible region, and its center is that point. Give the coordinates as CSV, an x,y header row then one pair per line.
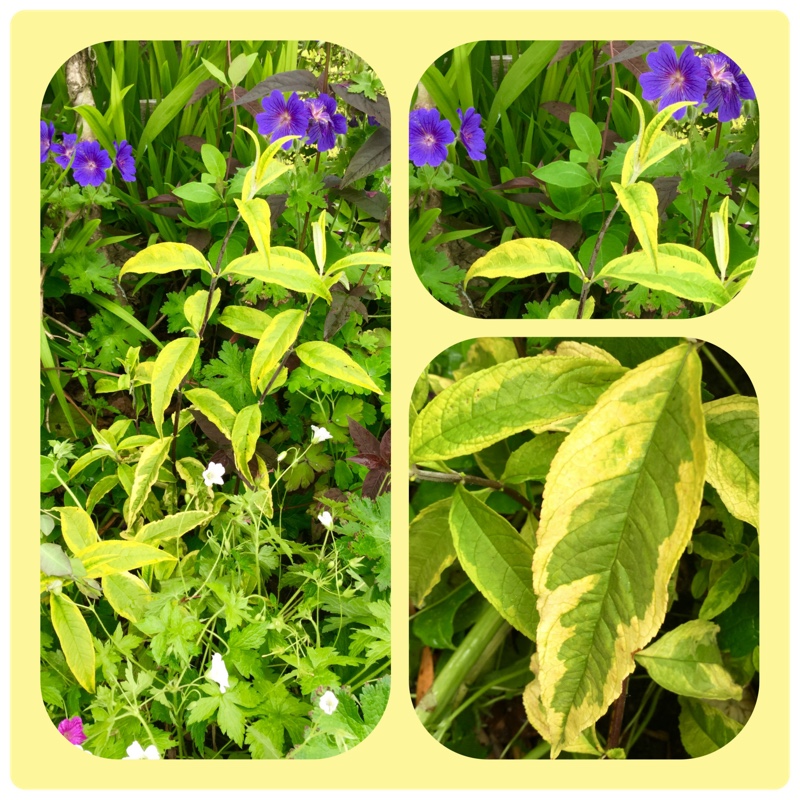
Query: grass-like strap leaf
x,y
256,214
496,559
49,364
520,258
166,257
106,558
683,271
150,461
704,728
171,527
276,339
169,108
218,410
430,549
288,268
246,430
333,361
622,496
127,594
640,202
75,639
118,311
99,126
688,662
538,394
77,528
171,366
523,72
732,436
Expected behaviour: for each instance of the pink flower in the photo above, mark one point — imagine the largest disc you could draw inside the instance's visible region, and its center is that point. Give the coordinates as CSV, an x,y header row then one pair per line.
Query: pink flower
x,y
72,730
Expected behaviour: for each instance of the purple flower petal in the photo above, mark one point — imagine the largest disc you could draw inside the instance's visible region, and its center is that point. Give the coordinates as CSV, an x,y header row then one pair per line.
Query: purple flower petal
x,y
471,135
91,164
72,730
124,161
282,117
46,133
64,150
674,79
428,137
324,123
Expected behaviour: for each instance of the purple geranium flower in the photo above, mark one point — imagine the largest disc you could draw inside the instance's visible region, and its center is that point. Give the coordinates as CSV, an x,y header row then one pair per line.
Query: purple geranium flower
x,y
428,137
372,121
727,87
282,117
124,161
72,730
46,133
471,135
64,150
674,79
324,122
91,164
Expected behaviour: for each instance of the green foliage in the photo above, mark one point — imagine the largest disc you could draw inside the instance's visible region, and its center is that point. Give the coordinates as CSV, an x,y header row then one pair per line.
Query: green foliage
x,y
556,549
576,160
182,484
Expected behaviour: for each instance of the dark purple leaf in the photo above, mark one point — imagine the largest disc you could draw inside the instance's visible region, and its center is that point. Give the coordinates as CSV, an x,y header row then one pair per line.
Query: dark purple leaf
x,y
610,138
385,225
295,80
364,441
376,482
532,200
558,109
162,198
194,142
386,446
622,51
277,205
209,428
374,204
566,233
566,49
206,87
342,304
369,461
198,238
667,191
516,183
372,155
755,158
378,108
237,92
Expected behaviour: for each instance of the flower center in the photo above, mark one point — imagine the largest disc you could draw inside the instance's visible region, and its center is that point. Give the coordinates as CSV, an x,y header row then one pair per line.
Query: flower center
x,y
286,118
676,80
429,139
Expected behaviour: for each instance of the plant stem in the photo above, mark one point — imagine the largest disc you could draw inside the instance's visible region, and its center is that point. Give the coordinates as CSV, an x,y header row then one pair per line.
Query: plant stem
x,y
595,252
698,234
618,710
459,477
215,276
478,646
722,371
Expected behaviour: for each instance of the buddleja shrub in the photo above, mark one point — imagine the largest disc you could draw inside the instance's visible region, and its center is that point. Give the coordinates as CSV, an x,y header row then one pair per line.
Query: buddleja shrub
x,y
603,207
231,600
606,509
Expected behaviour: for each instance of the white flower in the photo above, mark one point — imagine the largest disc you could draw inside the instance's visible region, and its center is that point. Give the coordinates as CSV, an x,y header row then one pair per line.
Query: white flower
x,y
213,474
219,672
282,455
320,434
326,519
136,753
328,702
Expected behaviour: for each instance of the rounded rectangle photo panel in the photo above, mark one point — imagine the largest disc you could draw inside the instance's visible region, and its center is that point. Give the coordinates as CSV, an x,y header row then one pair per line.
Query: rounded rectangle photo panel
x,y
215,295
584,179
584,548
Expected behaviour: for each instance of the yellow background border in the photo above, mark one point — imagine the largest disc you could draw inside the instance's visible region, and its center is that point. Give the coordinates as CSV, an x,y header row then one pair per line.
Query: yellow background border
x,y
754,329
